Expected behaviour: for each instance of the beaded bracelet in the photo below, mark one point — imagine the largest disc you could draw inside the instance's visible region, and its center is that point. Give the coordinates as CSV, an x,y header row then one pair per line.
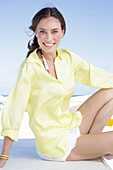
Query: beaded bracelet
x,y
4,157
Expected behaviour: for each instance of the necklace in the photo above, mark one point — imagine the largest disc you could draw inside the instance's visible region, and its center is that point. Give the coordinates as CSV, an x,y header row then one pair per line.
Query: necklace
x,y
45,63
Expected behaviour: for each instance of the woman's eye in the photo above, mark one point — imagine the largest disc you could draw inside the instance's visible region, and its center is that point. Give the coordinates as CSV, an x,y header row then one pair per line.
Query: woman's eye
x,y
42,32
54,32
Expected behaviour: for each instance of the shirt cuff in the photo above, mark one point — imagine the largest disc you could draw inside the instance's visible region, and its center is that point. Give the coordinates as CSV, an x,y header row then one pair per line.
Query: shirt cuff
x,y
13,134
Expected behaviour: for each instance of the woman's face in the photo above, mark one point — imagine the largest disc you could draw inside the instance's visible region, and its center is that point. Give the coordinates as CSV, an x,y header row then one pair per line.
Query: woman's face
x,y
49,34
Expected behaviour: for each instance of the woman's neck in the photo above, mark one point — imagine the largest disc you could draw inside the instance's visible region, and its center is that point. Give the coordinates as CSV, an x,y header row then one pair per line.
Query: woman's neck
x,y
49,56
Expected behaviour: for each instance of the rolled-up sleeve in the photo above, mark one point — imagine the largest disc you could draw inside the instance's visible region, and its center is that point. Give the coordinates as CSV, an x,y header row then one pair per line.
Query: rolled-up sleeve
x,y
90,75
16,104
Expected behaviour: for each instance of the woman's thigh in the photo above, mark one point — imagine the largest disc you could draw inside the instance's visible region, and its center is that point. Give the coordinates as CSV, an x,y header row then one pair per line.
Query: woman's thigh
x,y
91,146
90,108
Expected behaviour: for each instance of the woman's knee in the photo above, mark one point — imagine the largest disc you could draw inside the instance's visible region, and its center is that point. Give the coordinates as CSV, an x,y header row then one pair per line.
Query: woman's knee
x,y
107,94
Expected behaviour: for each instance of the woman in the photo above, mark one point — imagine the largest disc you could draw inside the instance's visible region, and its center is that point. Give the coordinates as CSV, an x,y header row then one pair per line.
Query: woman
x,y
44,87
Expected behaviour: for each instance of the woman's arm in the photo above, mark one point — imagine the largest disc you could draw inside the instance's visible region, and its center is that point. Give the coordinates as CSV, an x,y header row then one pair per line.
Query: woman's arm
x,y
90,75
6,149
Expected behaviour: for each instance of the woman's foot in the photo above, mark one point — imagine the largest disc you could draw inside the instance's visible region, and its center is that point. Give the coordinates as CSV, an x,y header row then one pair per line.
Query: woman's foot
x,y
108,156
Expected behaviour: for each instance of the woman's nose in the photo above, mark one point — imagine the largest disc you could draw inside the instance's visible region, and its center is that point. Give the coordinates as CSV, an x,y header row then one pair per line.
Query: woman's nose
x,y
48,37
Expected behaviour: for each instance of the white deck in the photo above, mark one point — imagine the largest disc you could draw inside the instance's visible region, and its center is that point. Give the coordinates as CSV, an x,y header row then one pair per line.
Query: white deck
x,y
23,154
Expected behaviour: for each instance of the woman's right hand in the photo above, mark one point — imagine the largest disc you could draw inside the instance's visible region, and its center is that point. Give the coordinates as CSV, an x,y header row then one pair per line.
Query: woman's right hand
x,y
5,150
2,162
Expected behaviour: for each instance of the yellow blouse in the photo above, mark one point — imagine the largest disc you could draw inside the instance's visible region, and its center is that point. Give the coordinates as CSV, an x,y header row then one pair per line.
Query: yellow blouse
x,y
47,99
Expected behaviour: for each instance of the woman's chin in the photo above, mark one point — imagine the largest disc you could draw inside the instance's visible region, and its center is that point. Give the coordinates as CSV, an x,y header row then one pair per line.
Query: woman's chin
x,y
49,49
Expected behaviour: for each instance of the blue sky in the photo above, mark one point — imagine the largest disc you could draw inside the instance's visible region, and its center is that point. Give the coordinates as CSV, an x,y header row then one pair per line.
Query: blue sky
x,y
89,34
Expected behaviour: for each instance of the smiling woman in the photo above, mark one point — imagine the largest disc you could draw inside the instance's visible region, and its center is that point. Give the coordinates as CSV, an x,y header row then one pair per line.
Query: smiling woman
x,y
49,34
49,27
56,28
44,87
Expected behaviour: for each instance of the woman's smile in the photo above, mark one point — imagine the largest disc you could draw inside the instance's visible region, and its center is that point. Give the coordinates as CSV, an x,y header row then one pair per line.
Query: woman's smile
x,y
49,45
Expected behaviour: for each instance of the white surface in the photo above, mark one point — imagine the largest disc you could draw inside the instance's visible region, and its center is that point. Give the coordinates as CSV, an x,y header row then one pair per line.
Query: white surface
x,y
23,154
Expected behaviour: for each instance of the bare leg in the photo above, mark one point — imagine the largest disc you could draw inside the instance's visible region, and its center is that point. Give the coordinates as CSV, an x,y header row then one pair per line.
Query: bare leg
x,y
98,108
102,117
97,111
92,146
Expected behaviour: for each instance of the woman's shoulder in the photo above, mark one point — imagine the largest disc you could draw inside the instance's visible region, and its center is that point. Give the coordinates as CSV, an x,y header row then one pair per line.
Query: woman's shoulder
x,y
23,64
64,52
67,53
32,58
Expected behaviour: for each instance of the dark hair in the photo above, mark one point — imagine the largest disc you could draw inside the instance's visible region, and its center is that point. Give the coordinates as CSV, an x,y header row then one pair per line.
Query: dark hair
x,y
44,13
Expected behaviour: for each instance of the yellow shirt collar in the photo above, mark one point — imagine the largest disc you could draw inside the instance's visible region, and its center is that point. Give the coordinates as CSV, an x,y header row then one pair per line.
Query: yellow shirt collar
x,y
33,57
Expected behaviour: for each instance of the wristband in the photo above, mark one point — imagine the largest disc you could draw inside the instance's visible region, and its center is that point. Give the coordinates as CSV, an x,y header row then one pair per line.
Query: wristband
x,y
4,157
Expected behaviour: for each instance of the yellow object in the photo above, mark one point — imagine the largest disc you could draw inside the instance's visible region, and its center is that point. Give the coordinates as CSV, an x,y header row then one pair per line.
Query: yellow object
x,y
110,123
4,157
47,99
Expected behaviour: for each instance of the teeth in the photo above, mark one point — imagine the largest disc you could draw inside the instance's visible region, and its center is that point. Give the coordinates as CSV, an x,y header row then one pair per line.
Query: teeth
x,y
49,45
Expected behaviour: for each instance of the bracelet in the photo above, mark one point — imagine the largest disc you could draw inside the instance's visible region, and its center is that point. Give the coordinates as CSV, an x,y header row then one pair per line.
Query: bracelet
x,y
4,157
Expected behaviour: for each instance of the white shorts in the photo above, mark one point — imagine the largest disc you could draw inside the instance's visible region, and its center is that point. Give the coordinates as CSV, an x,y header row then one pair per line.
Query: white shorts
x,y
72,139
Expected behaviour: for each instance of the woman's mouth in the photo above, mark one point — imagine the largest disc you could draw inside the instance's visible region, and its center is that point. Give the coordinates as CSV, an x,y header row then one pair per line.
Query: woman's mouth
x,y
49,45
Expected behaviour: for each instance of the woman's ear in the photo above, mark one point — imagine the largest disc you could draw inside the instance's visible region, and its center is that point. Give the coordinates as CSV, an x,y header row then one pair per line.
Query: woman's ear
x,y
36,34
62,33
